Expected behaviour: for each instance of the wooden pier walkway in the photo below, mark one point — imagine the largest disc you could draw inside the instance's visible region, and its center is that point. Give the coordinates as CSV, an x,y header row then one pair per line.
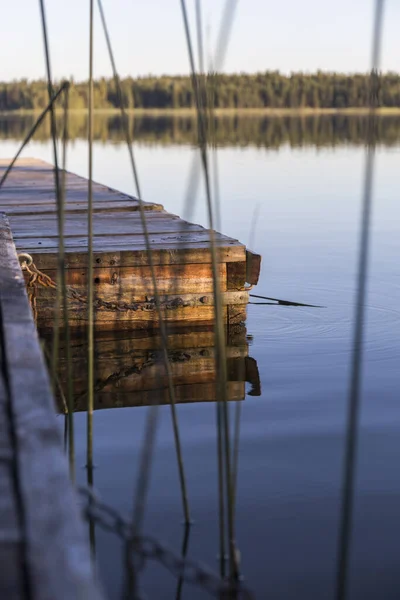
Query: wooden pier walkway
x,y
123,287
44,552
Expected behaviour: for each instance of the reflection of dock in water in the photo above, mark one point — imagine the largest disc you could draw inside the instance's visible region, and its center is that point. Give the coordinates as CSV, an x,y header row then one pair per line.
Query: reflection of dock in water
x,y
129,369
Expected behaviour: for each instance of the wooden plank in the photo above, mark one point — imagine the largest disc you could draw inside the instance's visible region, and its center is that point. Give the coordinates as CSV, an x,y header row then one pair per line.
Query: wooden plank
x,y
111,215
15,210
143,309
119,229
134,218
55,545
122,242
47,199
129,283
11,578
10,525
110,219
38,177
236,275
12,574
165,254
253,266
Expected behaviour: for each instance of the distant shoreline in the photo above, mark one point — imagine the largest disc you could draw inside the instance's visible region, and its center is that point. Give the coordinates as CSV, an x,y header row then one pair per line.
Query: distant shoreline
x,y
266,93
189,112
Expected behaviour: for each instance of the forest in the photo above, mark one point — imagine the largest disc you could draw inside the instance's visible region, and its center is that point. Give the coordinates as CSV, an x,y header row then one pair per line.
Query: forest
x,y
271,89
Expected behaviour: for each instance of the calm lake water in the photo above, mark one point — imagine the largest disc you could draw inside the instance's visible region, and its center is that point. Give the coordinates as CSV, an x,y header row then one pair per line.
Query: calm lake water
x,y
303,192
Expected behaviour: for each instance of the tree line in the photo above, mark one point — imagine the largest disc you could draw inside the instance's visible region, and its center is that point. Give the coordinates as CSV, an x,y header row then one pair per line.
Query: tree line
x,y
323,130
271,89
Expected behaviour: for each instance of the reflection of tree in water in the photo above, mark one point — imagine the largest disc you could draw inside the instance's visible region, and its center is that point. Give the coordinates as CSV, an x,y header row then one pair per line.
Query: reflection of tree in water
x,y
230,130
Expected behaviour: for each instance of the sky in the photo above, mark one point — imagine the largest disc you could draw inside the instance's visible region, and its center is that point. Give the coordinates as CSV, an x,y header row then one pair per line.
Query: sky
x,y
148,36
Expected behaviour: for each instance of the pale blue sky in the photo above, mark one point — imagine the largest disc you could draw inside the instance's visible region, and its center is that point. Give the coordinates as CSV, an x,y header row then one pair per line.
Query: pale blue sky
x,y
148,36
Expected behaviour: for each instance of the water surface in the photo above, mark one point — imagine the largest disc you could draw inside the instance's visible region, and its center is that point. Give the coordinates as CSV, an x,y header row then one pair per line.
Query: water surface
x,y
296,201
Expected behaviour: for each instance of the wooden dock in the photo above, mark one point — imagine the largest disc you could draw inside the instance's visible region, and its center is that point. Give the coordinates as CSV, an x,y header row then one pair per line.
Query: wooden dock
x,y
123,288
44,551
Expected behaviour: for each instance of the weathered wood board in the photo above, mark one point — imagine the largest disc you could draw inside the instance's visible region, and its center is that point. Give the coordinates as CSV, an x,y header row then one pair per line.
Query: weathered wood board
x,y
180,252
44,552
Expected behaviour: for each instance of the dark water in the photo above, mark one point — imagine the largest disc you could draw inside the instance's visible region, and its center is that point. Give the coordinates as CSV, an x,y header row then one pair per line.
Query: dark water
x,y
305,201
